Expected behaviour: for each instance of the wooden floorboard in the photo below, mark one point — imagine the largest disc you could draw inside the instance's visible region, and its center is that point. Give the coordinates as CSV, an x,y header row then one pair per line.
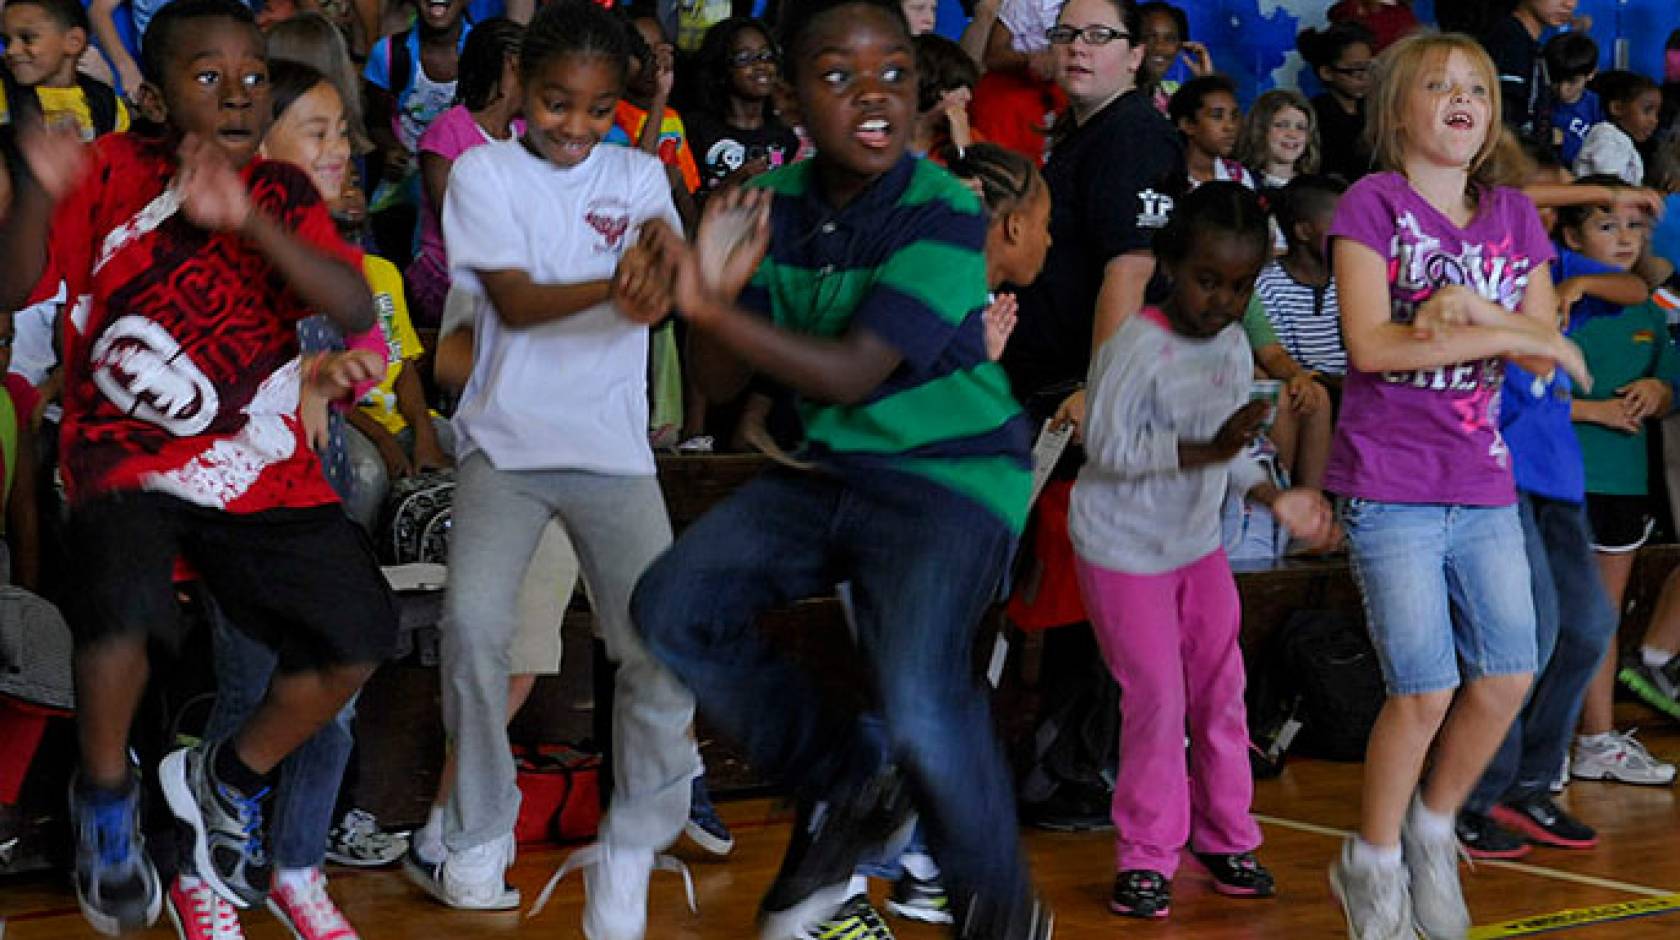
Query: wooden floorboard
x,y
1638,857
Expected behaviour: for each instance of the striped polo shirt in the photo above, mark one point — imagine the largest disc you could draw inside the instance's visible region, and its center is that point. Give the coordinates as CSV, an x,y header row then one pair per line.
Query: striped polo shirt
x,y
1308,319
904,260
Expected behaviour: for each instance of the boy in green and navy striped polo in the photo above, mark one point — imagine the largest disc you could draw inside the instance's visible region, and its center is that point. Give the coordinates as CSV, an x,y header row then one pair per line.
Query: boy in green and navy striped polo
x,y
868,304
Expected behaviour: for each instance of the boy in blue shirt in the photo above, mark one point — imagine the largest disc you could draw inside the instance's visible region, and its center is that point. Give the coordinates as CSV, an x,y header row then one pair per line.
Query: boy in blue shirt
x,y
1571,62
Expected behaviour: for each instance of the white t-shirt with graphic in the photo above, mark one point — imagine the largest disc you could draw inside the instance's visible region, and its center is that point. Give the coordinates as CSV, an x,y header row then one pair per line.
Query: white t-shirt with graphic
x,y
571,393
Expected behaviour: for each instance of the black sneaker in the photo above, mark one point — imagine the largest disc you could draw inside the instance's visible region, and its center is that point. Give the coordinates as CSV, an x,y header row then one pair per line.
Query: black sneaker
x,y
918,899
1484,838
226,825
857,919
1543,821
984,918
116,885
1141,893
1239,876
1657,686
830,837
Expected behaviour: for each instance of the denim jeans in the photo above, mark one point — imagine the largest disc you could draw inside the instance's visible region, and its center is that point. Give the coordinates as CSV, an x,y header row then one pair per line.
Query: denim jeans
x,y
923,563
309,776
1446,591
1575,626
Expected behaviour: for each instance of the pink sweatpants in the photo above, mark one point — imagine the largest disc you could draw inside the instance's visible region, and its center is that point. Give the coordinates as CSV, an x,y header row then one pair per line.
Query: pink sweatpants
x,y
1171,641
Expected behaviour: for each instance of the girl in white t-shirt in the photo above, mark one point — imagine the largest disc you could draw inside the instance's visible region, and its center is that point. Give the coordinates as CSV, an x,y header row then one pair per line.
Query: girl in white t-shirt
x,y
542,231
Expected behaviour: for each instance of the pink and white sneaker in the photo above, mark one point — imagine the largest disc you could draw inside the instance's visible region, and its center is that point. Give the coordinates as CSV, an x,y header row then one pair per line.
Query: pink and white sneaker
x,y
304,906
200,913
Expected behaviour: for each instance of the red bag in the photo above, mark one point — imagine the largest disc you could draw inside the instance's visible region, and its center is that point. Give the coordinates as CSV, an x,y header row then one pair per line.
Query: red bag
x,y
1047,595
560,795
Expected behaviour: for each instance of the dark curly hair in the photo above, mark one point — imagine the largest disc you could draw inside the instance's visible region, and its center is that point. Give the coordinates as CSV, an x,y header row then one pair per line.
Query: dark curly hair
x,y
159,44
487,50
798,15
1222,208
711,63
574,27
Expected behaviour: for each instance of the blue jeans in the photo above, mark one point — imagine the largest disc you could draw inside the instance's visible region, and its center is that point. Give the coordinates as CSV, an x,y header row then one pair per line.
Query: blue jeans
x,y
309,776
1417,566
1576,623
924,564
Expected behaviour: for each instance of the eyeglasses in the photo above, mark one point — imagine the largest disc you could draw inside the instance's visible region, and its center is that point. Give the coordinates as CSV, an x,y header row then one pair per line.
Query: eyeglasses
x,y
741,60
1351,71
1093,35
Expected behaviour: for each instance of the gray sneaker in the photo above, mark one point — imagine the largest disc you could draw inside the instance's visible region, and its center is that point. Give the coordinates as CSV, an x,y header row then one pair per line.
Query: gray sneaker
x,y
1376,902
226,826
1437,897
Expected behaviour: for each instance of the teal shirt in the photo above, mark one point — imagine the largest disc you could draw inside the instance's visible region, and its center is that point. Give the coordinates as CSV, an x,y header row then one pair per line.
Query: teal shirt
x,y
904,260
1622,348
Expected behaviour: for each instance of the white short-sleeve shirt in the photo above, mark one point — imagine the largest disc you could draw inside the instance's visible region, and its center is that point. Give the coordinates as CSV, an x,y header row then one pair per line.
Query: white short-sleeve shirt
x,y
572,393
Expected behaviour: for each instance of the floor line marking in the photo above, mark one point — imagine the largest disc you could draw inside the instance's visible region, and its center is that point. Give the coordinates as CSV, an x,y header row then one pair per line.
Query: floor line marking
x,y
1578,917
1536,870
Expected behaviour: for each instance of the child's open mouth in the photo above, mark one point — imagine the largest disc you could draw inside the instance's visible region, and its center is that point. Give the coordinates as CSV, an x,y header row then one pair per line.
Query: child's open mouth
x,y
1461,120
875,133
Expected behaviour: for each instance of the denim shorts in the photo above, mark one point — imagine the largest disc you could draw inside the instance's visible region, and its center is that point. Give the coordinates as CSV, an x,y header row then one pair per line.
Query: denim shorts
x,y
1419,564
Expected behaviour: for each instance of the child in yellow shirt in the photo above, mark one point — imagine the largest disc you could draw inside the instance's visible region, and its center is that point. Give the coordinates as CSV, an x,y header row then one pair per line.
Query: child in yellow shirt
x,y
45,40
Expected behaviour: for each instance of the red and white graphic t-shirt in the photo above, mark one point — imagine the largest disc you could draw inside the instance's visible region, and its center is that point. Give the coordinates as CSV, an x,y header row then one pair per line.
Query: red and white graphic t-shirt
x,y
181,348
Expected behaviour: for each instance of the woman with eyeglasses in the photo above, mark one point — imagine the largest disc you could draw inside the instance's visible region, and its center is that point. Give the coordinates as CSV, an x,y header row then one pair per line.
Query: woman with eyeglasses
x,y
735,132
1340,55
1114,168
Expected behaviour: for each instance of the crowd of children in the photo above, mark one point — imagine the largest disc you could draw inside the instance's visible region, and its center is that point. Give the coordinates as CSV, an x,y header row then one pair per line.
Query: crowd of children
x,y
294,256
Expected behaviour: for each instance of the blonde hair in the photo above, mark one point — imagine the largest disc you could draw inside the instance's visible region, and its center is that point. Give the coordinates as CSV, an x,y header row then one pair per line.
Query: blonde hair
x,y
1396,77
313,40
1251,144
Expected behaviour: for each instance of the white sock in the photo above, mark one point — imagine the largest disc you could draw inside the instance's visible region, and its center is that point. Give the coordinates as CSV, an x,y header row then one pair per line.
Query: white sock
x,y
1594,742
1363,854
1430,824
859,885
295,879
428,841
1653,657
920,865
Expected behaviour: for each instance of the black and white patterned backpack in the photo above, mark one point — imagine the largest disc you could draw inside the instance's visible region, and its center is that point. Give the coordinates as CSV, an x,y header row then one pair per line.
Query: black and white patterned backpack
x,y
418,514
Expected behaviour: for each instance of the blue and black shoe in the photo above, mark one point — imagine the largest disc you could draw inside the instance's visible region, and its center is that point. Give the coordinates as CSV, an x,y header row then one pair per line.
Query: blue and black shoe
x,y
116,884
705,827
226,826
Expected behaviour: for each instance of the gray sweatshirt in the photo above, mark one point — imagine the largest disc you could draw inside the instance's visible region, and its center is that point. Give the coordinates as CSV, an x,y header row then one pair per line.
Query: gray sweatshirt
x,y
1134,510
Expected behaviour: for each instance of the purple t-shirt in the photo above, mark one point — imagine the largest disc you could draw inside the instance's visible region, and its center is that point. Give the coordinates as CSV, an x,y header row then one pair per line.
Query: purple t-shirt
x,y
452,134
1432,435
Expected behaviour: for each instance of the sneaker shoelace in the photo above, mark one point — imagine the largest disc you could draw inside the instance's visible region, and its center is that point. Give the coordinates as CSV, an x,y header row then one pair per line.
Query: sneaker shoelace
x,y
315,908
1632,750
248,810
591,855
209,912
113,829
357,825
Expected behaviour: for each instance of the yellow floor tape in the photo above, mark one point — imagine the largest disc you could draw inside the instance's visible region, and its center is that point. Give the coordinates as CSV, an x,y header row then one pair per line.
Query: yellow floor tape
x,y
1579,917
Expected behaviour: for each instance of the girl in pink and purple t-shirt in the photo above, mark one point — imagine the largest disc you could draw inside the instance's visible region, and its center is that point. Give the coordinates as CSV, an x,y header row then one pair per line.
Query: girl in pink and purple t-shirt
x,y
1441,275
487,105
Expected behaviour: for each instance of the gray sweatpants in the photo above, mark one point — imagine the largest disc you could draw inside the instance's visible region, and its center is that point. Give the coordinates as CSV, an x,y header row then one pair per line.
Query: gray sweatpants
x,y
618,526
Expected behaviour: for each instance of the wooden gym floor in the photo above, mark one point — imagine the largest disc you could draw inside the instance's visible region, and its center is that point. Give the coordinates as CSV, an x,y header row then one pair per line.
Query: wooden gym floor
x,y
1636,869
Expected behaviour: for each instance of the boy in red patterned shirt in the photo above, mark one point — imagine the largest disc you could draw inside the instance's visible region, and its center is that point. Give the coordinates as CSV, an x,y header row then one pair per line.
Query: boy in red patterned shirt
x,y
189,261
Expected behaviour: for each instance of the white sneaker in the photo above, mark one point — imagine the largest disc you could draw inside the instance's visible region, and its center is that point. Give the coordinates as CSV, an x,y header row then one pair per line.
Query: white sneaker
x,y
1437,896
471,880
1374,900
615,886
1623,760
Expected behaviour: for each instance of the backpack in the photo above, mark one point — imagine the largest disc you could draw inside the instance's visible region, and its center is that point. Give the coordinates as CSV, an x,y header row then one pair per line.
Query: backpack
x,y
559,795
417,518
101,100
1331,683
1073,753
401,62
